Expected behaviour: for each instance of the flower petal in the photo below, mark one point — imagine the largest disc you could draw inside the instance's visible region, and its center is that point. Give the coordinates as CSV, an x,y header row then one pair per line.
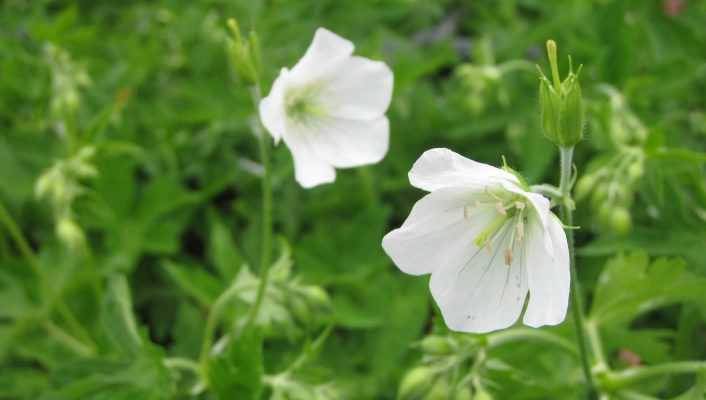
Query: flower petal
x,y
439,168
436,233
325,53
272,111
481,292
347,143
359,89
309,169
541,207
548,276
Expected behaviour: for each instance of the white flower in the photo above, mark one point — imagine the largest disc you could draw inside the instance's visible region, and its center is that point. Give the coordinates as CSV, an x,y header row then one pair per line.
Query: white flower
x,y
330,109
487,241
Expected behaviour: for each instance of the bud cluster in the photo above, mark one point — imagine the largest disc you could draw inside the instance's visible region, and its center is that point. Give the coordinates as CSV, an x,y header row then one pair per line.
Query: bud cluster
x,y
611,187
289,305
61,185
67,78
284,387
244,54
561,104
445,359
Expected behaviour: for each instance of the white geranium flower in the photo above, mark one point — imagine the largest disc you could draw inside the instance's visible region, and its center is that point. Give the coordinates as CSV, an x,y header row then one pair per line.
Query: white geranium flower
x,y
330,109
486,241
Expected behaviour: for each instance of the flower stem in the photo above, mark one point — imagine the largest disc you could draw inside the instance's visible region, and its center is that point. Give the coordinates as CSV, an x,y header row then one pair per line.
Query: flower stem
x,y
619,380
567,218
266,239
30,257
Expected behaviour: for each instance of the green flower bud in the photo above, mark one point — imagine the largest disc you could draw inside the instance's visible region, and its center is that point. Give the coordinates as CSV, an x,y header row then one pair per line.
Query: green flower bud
x,y
440,391
416,384
635,171
620,221
317,297
300,309
463,393
482,395
436,345
244,54
70,233
561,104
584,186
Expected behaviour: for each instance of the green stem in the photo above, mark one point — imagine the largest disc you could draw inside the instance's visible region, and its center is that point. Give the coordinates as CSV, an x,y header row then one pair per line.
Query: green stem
x,y
26,251
266,239
567,217
622,379
183,364
212,322
67,340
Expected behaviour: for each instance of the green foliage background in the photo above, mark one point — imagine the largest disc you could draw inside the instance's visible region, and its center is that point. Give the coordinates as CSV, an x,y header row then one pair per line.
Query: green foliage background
x,y
169,215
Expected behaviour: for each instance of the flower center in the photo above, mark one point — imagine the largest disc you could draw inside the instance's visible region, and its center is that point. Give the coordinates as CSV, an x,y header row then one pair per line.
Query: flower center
x,y
301,105
512,215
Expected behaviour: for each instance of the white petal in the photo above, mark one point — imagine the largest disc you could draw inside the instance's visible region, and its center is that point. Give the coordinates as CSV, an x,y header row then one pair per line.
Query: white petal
x,y
439,168
272,111
359,89
325,53
309,169
437,232
347,143
548,277
480,293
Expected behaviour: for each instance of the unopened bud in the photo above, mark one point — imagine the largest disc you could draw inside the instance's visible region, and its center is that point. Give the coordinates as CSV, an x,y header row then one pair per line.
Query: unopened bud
x,y
635,171
463,393
436,345
620,221
244,54
317,297
416,384
584,186
70,233
440,391
561,104
482,395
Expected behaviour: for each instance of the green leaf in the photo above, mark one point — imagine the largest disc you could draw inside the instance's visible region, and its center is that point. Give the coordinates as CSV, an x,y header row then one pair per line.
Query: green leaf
x,y
223,252
630,286
118,319
237,372
195,282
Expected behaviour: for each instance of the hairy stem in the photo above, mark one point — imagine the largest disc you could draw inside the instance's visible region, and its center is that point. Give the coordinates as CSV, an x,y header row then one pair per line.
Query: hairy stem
x,y
631,376
266,239
567,217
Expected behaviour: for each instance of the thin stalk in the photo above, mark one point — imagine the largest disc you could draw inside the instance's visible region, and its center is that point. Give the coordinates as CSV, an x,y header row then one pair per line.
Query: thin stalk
x,y
622,379
31,258
67,340
266,239
212,322
183,364
567,217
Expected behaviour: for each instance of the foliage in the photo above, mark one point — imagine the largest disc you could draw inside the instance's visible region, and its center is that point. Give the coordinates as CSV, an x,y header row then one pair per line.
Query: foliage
x,y
130,201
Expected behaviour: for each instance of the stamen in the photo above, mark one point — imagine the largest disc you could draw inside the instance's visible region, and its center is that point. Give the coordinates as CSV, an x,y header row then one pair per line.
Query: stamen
x,y
500,208
508,256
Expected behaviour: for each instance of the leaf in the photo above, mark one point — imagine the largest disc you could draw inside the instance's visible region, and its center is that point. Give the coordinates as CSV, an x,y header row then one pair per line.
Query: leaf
x,y
194,281
118,319
237,372
141,377
630,286
223,252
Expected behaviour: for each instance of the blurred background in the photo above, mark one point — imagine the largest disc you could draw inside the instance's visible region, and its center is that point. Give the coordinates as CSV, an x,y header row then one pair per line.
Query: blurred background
x,y
127,149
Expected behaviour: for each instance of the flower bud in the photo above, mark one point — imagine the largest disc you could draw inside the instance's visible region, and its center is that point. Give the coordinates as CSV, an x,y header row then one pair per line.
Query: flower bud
x,y
317,297
436,345
440,391
620,221
416,384
635,171
70,233
584,186
482,395
244,54
463,393
561,104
